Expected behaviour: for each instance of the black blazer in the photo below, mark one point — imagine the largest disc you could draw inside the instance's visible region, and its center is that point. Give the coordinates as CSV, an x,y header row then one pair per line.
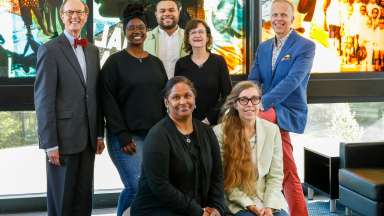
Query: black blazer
x,y
165,182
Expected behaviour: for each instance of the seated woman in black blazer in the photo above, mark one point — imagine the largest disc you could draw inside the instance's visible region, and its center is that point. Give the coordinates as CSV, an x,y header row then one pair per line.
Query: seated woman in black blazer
x,y
181,172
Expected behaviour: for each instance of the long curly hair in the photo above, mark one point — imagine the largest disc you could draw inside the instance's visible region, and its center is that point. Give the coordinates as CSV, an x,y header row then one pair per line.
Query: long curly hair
x,y
239,169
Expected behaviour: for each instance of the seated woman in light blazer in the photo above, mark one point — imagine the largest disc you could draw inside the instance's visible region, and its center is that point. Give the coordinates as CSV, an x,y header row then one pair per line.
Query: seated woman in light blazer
x,y
252,156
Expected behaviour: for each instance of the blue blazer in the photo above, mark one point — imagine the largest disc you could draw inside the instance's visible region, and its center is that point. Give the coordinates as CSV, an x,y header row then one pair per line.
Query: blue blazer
x,y
285,88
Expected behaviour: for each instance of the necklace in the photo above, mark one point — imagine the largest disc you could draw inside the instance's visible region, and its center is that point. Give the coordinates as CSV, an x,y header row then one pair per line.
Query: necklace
x,y
187,138
139,57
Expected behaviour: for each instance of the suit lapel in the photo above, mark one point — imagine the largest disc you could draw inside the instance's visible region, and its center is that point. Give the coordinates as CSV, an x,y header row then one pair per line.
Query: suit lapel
x,y
88,62
70,55
260,138
269,55
157,40
288,44
268,59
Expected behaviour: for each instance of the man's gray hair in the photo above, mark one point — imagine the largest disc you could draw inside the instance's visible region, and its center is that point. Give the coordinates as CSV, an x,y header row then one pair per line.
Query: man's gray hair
x,y
86,9
286,1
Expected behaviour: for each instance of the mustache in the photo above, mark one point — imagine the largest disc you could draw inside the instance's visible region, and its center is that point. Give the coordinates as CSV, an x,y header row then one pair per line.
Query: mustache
x,y
167,17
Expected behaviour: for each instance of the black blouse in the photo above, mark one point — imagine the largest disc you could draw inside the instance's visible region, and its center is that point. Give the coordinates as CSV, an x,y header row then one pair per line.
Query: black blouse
x,y
167,186
192,147
212,83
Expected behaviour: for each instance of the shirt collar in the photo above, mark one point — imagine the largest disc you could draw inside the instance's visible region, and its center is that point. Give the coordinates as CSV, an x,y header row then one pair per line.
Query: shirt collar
x,y
69,37
282,40
163,33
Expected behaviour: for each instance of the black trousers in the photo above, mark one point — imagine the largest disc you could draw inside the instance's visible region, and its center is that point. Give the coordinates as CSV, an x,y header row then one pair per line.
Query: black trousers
x,y
70,186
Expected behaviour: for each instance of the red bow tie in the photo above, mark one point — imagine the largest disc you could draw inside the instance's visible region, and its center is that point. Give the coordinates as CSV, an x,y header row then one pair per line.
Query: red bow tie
x,y
80,42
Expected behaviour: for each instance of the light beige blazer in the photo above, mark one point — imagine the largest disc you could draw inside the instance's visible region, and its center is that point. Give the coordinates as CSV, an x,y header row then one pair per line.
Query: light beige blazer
x,y
269,157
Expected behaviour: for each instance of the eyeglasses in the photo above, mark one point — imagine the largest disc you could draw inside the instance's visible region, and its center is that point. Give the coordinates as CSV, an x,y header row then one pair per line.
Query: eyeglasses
x,y
195,32
136,27
244,100
72,12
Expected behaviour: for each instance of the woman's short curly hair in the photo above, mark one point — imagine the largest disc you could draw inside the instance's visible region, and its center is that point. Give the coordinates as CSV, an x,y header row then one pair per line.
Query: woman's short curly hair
x,y
131,11
192,24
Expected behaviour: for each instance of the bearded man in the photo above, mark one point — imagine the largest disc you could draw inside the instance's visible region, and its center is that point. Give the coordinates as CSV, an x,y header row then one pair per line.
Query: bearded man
x,y
166,40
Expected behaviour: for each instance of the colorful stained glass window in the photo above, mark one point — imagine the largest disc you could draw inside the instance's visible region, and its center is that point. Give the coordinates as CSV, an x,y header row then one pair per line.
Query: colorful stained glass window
x,y
349,34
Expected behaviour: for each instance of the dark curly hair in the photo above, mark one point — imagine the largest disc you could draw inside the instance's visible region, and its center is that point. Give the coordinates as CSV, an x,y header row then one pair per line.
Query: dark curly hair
x,y
131,11
178,4
174,81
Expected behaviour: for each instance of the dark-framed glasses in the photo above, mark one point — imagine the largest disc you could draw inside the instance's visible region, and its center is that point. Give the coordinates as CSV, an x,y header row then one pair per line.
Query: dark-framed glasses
x,y
245,100
136,27
72,12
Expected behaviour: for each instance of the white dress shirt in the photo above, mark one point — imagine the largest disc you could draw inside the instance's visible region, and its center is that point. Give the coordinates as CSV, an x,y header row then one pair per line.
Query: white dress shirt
x,y
169,50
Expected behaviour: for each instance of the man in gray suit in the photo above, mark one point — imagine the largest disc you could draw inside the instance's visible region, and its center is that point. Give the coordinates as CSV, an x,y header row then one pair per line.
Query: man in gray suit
x,y
70,126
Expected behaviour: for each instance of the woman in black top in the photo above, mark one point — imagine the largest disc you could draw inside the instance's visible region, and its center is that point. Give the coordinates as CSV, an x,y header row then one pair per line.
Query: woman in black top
x,y
131,84
181,172
207,71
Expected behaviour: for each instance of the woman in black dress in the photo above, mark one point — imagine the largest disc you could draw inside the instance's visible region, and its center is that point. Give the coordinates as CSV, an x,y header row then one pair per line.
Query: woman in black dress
x,y
131,86
181,172
207,71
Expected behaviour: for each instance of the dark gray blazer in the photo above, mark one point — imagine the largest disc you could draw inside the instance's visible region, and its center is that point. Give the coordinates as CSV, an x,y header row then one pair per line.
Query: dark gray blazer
x,y
67,106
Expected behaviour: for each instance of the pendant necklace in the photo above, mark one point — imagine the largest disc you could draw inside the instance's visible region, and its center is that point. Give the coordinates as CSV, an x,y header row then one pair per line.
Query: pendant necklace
x,y
187,138
140,59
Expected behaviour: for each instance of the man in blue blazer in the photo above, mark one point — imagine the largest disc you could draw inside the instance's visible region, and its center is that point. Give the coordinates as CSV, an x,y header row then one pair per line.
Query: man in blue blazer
x,y
282,66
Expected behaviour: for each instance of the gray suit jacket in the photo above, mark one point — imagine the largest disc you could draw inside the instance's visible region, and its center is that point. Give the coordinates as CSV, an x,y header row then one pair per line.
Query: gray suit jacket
x,y
67,106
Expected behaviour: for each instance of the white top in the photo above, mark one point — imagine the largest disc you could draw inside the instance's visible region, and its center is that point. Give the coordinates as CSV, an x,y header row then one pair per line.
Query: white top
x,y
169,50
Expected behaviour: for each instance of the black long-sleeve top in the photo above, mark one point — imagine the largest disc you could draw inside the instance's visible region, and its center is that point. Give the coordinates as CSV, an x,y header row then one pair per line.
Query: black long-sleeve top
x,y
167,185
212,83
131,94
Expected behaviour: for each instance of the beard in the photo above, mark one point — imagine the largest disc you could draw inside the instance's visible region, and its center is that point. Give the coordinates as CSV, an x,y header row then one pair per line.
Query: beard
x,y
168,26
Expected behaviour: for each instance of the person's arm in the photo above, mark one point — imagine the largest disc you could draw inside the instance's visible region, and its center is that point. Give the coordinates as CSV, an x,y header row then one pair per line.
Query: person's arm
x,y
177,68
109,93
162,68
236,195
274,178
100,117
216,189
225,87
156,159
298,72
100,123
45,103
45,98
